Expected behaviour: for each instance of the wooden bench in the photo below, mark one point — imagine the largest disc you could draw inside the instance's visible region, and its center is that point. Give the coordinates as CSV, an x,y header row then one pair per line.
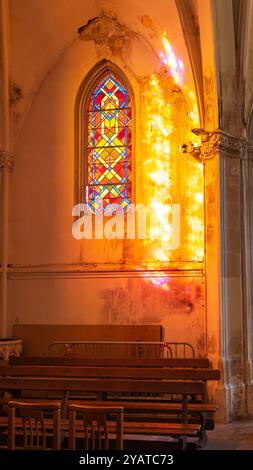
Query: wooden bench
x,y
131,429
185,378
112,385
198,363
159,373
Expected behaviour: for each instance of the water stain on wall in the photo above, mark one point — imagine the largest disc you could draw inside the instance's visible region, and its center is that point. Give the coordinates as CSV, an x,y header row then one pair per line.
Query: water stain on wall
x,y
177,304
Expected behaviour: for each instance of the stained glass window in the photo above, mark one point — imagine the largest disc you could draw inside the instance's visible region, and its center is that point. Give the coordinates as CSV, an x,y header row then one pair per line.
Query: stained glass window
x,y
109,147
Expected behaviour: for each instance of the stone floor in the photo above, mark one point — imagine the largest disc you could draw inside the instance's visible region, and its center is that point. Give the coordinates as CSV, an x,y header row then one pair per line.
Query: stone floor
x,y
234,436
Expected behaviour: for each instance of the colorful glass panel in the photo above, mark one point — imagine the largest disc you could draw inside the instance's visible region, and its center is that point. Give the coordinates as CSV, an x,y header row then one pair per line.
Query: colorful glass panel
x,y
109,147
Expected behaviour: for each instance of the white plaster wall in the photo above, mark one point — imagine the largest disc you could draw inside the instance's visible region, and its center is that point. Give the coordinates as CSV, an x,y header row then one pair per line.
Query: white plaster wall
x,y
42,197
43,177
180,309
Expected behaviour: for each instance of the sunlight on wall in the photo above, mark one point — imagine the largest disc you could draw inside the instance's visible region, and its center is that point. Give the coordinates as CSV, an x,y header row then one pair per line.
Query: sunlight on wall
x,y
163,157
158,164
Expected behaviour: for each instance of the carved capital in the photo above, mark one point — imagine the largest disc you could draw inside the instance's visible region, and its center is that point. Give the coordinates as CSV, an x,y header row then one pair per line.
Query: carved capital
x,y
218,141
6,159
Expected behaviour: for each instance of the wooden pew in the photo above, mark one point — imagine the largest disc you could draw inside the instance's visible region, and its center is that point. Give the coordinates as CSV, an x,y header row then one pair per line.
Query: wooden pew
x,y
131,429
111,372
115,385
138,376
99,385
96,362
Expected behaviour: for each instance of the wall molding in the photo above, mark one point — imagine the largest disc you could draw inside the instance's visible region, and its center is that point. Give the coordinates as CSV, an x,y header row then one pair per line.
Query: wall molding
x,y
78,271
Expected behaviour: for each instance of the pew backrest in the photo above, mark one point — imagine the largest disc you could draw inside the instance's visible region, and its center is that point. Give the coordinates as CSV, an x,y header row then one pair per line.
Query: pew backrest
x,y
101,362
159,373
102,385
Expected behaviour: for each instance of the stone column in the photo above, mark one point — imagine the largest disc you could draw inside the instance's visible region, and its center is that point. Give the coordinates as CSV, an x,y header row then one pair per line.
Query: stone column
x,y
223,157
248,279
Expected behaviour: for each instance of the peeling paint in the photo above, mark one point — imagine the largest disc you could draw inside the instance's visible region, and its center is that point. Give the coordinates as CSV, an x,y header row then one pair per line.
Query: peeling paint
x,y
107,31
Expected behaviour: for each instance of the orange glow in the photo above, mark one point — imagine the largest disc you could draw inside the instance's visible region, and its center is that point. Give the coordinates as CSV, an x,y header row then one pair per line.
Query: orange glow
x,y
195,188
158,164
163,160
195,213
175,65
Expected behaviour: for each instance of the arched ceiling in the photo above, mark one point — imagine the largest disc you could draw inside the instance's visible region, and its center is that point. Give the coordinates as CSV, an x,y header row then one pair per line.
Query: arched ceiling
x,y
41,30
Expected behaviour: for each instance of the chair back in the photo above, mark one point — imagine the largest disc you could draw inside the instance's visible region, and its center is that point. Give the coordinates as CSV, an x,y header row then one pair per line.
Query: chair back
x,y
35,422
92,425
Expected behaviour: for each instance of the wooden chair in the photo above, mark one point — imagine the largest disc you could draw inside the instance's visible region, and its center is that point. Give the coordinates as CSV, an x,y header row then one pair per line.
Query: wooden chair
x,y
34,424
94,426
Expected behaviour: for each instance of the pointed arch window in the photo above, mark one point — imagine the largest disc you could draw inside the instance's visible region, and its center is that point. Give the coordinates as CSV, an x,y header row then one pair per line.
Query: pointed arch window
x,y
109,146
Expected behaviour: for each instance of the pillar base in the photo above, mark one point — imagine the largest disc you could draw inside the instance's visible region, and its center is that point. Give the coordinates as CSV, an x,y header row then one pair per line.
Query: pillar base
x,y
232,400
